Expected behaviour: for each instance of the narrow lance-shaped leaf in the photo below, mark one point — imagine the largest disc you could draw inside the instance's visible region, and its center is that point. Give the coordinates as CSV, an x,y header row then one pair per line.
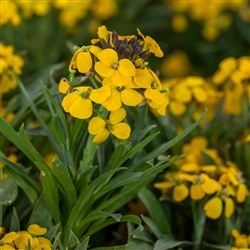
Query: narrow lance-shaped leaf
x,y
50,190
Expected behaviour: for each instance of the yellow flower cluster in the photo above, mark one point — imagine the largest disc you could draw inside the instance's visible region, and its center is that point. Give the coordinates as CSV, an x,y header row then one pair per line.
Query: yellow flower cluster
x,y
219,182
25,239
8,62
226,87
123,77
72,12
210,13
232,78
241,241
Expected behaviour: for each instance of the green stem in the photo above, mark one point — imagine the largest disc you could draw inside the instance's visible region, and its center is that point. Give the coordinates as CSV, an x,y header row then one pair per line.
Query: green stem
x,y
93,81
199,219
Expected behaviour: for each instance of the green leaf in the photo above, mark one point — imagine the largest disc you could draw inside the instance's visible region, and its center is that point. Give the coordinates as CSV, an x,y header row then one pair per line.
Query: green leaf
x,y
165,146
52,232
155,210
56,130
80,208
73,240
29,146
41,211
95,227
95,215
130,191
13,137
116,156
22,183
56,241
124,247
65,183
211,246
8,191
136,243
36,112
168,242
50,190
14,223
83,245
152,226
136,148
20,172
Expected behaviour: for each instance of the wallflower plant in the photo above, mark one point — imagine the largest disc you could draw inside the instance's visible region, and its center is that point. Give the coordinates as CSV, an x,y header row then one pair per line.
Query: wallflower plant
x,y
97,124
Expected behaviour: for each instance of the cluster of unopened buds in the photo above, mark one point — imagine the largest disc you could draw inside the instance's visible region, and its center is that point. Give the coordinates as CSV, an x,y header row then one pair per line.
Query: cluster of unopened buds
x,y
119,76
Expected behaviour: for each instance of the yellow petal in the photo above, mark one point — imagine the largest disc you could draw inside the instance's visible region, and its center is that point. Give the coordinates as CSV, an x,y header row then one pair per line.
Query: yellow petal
x,y
108,56
94,50
117,116
84,62
180,192
210,186
154,95
121,130
142,78
177,108
101,137
200,95
190,167
213,208
196,192
229,207
114,101
235,233
96,125
9,237
163,185
100,95
103,69
44,241
7,247
81,108
119,80
242,192
183,95
69,99
36,229
126,68
64,86
130,97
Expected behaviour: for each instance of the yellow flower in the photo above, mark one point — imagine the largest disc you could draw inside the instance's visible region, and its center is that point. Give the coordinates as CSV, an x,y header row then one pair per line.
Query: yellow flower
x,y
179,23
175,181
82,59
119,71
241,240
119,95
203,185
22,241
151,45
101,129
103,10
213,208
64,86
9,13
176,64
79,102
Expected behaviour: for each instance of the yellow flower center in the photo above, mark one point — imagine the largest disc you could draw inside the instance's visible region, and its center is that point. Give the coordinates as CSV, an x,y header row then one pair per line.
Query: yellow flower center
x,y
120,89
84,49
109,126
115,66
84,95
154,85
